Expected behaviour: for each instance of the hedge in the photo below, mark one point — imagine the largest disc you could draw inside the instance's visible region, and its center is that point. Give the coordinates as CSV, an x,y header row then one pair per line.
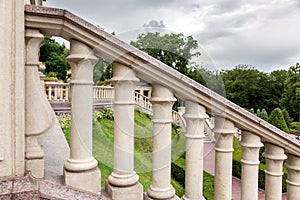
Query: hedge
x,y
237,172
178,173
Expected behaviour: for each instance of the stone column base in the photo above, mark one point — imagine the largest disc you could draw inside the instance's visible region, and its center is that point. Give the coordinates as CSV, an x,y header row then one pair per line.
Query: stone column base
x,y
35,168
146,197
134,192
185,198
89,181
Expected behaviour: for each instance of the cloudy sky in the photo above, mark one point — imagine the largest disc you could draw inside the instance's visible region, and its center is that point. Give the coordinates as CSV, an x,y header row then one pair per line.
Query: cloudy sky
x,y
265,34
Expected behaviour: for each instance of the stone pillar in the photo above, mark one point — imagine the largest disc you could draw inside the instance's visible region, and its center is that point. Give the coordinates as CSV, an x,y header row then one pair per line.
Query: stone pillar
x,y
223,158
162,101
250,163
195,118
274,156
34,2
123,182
81,169
39,114
293,177
12,79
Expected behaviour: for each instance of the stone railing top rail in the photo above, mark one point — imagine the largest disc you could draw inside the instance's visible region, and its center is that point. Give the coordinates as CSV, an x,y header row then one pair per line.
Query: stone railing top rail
x,y
58,22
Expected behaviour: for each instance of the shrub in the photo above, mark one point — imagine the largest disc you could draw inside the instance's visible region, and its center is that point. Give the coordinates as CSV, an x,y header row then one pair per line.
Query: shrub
x,y
64,121
106,113
287,117
276,118
263,114
295,127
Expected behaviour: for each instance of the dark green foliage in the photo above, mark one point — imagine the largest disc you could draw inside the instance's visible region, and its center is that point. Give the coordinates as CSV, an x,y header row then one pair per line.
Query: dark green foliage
x,y
295,127
102,72
263,114
54,56
288,120
172,49
276,118
237,166
261,157
178,173
177,51
247,87
291,95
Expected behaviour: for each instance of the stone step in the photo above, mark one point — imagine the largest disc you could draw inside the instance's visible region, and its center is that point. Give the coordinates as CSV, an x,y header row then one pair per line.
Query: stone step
x,y
26,188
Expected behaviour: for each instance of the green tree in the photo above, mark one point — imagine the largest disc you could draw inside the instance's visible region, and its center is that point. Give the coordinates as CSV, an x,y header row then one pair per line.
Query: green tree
x,y
291,96
295,127
211,79
54,56
276,118
174,50
277,87
177,51
102,71
287,117
263,114
247,87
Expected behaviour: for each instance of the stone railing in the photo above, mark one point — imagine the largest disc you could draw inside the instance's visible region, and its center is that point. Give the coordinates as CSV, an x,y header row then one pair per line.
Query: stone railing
x,y
143,102
60,92
89,42
103,92
57,92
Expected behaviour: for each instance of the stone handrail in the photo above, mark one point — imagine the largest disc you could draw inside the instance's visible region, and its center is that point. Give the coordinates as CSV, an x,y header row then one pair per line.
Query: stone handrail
x,y
130,64
143,102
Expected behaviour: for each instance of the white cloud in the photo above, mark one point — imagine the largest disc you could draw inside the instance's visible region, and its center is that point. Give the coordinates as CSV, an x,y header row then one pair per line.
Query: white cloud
x,y
258,32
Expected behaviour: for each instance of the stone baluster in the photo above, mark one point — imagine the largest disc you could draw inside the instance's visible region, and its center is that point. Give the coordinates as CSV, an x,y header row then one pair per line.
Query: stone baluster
x,y
123,181
67,88
162,101
102,94
39,115
195,116
274,156
34,2
250,163
61,95
80,170
293,177
49,93
55,92
223,158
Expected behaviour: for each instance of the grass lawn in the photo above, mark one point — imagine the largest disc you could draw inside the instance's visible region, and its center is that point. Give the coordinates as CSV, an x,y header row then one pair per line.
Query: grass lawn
x,y
103,151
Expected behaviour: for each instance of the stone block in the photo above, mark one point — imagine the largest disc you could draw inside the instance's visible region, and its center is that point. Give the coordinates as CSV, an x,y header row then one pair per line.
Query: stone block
x,y
89,181
134,192
35,167
146,197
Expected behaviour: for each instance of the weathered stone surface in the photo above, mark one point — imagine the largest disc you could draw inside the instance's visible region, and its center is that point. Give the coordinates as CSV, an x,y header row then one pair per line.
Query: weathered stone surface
x,y
134,192
87,180
12,78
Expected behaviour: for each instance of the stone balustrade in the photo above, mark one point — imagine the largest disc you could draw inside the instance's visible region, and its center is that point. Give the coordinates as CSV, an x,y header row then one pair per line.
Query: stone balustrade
x,y
129,65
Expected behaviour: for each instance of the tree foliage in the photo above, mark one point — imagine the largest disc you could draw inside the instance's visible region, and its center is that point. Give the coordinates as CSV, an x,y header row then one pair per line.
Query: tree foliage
x,y
172,49
291,94
263,114
276,118
177,51
246,86
54,56
102,71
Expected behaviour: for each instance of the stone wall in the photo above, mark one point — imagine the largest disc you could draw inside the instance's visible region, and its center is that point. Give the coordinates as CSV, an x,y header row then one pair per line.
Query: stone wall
x,y
12,101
